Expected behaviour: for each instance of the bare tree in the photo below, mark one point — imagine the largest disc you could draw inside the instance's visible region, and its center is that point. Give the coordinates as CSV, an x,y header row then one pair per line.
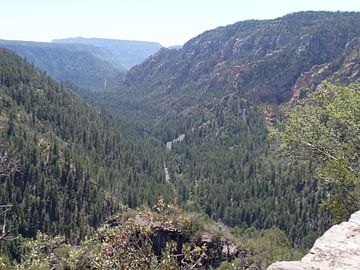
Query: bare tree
x,y
6,230
8,165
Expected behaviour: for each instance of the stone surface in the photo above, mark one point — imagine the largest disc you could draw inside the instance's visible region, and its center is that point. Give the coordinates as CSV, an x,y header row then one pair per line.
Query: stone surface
x,y
338,248
296,265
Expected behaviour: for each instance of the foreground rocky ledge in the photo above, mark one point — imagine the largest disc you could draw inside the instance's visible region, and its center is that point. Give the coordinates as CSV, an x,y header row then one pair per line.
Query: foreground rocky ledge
x,y
338,248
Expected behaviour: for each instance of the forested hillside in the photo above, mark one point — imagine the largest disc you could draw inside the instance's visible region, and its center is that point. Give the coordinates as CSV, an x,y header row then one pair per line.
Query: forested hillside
x,y
194,127
85,66
227,167
70,157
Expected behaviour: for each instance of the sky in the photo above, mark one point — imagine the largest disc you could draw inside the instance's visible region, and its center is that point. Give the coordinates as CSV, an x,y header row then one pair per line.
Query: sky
x,y
169,22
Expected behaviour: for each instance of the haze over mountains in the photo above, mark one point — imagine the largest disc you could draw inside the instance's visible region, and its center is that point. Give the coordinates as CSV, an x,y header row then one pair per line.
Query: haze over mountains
x,y
85,158
126,53
92,64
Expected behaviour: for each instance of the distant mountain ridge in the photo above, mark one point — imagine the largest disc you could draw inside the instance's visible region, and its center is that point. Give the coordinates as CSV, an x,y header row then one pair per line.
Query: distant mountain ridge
x,y
91,64
83,65
127,53
270,61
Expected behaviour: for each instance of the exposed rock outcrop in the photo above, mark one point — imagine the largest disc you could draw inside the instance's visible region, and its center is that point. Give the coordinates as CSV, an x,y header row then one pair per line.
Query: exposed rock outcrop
x,y
215,243
271,61
338,248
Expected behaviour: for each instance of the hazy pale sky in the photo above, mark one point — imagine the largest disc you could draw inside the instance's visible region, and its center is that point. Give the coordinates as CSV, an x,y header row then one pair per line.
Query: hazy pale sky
x,y
168,22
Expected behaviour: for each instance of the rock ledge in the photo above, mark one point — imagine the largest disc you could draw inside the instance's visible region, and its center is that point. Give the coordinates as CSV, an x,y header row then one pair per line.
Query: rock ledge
x,y
338,248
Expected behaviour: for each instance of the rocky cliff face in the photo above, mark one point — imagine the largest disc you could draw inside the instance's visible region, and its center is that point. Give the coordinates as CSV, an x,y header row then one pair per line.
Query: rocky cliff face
x,y
271,60
338,248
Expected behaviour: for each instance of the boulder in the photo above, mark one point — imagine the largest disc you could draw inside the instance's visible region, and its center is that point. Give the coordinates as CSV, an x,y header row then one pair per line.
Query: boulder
x,y
338,248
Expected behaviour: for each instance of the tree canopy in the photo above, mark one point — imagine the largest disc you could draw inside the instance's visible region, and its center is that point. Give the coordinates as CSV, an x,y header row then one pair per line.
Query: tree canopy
x,y
325,128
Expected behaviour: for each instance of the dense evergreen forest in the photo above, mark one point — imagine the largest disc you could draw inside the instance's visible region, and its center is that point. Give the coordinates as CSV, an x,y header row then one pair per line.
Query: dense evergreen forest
x,y
70,157
182,130
228,168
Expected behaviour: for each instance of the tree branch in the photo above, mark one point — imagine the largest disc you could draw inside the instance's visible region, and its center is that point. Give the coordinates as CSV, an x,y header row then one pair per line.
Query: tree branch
x,y
6,233
8,164
331,157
